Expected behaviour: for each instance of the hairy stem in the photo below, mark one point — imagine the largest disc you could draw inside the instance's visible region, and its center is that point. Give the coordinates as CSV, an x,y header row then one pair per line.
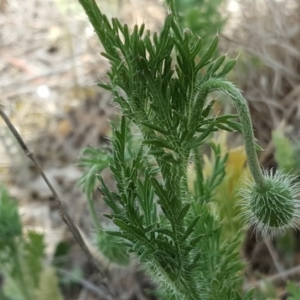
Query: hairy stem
x,y
242,108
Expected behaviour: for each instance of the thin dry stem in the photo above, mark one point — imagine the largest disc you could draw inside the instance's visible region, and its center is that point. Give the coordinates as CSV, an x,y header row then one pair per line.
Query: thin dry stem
x,y
279,276
62,211
273,254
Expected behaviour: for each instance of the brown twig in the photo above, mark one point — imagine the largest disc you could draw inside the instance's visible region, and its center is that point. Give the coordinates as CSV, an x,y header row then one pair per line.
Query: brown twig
x,y
88,285
62,211
274,255
285,274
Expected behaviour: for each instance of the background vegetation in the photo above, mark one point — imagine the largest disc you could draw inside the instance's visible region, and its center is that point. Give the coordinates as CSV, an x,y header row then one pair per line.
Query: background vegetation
x,y
47,70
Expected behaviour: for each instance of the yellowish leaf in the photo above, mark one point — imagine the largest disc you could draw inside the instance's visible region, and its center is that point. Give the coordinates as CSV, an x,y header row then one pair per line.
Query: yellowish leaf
x,y
48,286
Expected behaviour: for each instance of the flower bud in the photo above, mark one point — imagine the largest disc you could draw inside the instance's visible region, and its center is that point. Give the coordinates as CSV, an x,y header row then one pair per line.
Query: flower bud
x,y
275,207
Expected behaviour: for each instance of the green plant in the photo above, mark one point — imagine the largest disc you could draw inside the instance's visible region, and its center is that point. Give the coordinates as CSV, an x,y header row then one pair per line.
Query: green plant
x,y
21,260
162,85
95,161
294,291
203,17
285,155
226,198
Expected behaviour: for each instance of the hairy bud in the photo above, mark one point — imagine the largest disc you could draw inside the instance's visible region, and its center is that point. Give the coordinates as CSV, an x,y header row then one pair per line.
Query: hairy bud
x,y
274,208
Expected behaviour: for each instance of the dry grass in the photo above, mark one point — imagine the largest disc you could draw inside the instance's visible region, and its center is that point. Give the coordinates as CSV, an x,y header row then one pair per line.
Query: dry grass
x,y
49,56
268,39
49,64
267,36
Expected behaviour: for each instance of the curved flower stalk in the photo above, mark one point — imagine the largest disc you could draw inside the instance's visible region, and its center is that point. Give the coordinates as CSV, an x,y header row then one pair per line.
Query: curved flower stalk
x,y
270,201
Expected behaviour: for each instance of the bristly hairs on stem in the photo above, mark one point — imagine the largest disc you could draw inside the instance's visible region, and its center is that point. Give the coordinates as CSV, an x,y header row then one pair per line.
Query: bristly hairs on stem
x,y
271,201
